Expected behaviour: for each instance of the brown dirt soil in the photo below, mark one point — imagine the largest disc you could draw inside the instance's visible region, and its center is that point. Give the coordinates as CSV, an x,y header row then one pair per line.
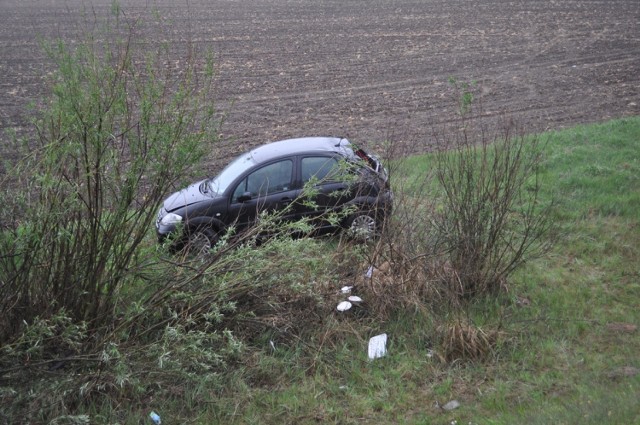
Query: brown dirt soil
x,y
370,70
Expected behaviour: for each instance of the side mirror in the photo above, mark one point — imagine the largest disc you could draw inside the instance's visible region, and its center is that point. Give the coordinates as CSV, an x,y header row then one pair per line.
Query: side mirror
x,y
244,197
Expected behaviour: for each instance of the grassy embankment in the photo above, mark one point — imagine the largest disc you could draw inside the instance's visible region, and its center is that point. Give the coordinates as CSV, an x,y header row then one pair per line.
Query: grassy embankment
x,y
564,337
568,350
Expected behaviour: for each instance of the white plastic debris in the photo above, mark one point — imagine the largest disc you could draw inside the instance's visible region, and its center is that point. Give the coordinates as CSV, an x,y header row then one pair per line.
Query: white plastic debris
x,y
272,344
453,404
355,299
369,272
377,346
429,353
155,418
346,289
344,306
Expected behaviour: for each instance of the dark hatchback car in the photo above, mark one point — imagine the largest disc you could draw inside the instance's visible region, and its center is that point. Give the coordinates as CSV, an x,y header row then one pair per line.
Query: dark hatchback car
x,y
305,178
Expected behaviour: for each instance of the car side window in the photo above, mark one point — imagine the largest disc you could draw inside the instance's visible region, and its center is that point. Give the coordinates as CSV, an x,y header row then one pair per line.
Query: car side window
x,y
269,179
319,168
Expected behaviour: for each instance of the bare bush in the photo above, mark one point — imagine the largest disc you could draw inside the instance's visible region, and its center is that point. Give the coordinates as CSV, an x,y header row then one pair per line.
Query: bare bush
x,y
490,218
460,228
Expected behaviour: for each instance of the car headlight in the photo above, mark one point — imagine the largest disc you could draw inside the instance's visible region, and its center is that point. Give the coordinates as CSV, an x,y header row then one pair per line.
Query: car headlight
x,y
170,219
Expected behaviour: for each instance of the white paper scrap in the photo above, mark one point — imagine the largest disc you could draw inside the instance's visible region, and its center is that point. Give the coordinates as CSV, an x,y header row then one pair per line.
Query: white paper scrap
x,y
369,272
377,346
344,306
453,404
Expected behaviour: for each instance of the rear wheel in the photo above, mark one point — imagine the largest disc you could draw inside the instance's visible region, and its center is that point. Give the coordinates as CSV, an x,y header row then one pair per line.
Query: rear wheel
x,y
362,226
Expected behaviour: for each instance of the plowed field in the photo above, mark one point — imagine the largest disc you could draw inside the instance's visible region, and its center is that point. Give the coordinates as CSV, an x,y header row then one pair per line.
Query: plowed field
x,y
369,70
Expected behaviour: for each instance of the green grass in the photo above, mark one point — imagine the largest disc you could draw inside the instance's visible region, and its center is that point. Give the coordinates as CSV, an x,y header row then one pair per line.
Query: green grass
x,y
596,169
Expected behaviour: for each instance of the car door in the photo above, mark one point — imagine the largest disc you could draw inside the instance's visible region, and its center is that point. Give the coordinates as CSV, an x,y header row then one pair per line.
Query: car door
x,y
267,188
326,186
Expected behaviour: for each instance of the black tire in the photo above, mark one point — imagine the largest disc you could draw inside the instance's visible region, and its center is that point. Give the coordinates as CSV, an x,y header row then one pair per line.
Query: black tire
x,y
200,241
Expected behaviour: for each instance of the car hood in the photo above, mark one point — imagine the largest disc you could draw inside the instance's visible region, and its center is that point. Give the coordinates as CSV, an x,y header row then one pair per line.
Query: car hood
x,y
191,194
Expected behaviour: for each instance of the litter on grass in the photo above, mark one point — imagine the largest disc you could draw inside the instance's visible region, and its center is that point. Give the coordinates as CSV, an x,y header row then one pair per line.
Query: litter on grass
x,y
453,404
377,346
369,273
155,418
344,306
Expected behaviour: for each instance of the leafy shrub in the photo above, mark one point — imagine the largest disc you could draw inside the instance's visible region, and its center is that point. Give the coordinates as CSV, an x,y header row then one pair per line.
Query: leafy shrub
x,y
118,131
78,279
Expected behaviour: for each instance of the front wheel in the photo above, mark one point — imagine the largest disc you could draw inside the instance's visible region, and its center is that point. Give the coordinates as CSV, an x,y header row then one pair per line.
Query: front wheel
x,y
200,241
362,226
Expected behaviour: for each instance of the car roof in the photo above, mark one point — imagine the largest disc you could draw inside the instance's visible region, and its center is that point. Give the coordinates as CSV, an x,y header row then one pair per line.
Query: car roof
x,y
301,145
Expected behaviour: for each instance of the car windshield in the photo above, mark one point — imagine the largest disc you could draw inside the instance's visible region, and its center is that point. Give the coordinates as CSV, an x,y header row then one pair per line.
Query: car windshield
x,y
217,185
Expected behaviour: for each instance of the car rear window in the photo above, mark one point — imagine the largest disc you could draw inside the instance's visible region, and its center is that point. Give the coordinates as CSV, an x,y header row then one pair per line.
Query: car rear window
x,y
320,168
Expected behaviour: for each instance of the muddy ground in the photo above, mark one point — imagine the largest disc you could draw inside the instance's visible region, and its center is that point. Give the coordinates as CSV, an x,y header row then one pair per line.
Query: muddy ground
x,y
370,70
